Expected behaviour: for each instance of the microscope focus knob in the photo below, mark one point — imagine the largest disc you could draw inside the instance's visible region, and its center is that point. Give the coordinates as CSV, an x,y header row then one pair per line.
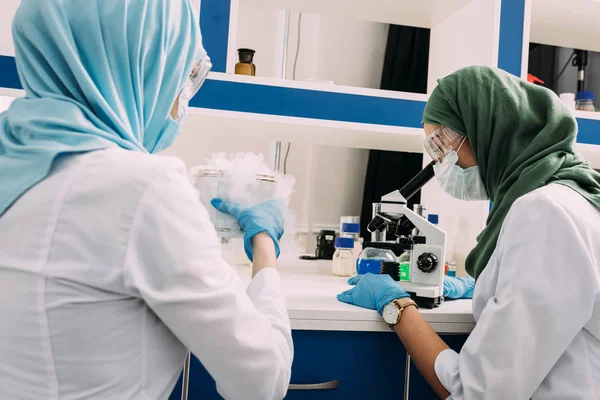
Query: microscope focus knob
x,y
427,262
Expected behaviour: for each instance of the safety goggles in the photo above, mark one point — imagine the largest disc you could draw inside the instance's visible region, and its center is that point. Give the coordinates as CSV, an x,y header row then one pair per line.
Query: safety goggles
x,y
441,142
197,77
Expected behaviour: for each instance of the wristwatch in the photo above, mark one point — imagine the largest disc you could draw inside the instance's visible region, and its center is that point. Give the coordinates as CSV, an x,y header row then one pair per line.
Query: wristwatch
x,y
392,313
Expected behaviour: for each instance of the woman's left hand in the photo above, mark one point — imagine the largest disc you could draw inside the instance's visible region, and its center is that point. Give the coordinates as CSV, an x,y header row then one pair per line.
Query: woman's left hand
x,y
372,291
459,288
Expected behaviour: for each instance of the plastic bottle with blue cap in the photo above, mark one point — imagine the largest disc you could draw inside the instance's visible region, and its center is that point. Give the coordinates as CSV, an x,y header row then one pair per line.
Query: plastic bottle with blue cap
x,y
352,230
344,260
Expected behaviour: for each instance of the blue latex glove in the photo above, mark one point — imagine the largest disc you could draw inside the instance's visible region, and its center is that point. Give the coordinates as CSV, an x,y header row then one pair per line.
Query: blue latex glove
x,y
459,288
372,291
266,217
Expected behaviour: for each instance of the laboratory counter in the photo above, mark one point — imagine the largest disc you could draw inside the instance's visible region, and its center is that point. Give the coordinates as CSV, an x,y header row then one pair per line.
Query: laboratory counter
x,y
310,290
336,343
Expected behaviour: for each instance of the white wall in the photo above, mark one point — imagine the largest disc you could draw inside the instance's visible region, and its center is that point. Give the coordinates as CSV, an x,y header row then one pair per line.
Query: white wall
x,y
348,52
9,7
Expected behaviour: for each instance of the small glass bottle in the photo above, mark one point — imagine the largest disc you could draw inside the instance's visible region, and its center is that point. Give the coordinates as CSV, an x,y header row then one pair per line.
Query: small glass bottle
x,y
451,269
245,66
343,258
584,101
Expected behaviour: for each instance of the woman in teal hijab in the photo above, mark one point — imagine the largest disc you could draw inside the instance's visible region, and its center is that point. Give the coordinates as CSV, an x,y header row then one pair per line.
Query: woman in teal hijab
x,y
537,262
110,269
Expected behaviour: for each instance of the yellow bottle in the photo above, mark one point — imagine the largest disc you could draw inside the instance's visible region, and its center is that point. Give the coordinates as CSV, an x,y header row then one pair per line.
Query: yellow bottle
x,y
245,66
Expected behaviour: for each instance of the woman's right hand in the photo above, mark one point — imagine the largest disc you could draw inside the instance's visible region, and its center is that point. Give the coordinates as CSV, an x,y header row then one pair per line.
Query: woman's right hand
x,y
266,217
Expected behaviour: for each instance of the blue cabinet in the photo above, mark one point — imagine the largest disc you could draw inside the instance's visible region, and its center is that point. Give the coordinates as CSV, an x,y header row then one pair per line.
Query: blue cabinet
x,y
362,363
419,388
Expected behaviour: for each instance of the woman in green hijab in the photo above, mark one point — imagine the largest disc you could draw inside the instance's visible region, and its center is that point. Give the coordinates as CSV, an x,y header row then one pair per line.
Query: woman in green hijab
x,y
537,262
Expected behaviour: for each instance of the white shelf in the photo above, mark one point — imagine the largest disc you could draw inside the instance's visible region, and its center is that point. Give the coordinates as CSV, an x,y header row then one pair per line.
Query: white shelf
x,y
316,85
566,23
419,13
232,125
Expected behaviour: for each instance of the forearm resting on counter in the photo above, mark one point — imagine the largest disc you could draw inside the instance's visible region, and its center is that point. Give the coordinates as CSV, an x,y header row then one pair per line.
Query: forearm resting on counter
x,y
423,345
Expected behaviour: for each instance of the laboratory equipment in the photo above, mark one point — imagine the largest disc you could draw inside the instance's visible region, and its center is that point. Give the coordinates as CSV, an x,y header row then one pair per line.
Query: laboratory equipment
x,y
377,236
420,210
214,183
245,66
434,219
585,101
451,269
404,265
348,220
427,251
344,258
371,259
568,100
352,230
392,269
325,245
580,60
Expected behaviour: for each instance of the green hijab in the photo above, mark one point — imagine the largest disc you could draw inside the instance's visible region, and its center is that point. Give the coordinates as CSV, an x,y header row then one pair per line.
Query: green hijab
x,y
522,137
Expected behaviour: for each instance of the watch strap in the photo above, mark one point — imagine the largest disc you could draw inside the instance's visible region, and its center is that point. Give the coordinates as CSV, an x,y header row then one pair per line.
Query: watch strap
x,y
405,302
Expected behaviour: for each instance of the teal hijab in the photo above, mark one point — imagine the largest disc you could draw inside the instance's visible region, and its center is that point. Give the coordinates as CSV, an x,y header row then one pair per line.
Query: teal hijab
x,y
97,74
522,137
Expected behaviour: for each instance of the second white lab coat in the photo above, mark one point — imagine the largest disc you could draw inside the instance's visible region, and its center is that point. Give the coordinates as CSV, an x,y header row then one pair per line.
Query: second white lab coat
x,y
110,269
537,307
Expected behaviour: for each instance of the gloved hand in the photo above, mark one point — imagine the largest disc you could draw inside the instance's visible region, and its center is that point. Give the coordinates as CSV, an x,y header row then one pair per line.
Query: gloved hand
x,y
372,291
459,288
266,217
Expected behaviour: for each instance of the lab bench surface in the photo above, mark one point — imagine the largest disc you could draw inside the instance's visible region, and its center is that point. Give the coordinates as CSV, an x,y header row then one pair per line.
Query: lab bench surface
x,y
310,290
342,351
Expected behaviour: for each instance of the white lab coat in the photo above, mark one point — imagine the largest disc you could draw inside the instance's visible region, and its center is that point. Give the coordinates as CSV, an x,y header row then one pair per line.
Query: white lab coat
x,y
537,307
110,269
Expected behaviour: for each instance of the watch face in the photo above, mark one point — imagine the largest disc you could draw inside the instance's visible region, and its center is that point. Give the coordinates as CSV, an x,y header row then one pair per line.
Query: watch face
x,y
390,314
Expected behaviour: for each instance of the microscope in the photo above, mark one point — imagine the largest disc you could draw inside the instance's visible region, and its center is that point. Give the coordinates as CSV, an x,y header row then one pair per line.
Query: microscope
x,y
392,228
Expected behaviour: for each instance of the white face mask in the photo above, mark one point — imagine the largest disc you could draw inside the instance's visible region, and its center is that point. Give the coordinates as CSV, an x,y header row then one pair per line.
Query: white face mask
x,y
462,184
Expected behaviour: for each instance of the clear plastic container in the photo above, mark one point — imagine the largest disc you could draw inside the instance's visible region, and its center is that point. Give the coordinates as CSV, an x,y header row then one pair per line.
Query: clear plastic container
x,y
568,100
584,101
370,260
212,182
344,258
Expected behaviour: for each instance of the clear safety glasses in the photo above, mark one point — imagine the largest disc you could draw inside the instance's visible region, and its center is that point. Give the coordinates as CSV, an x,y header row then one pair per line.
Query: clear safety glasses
x,y
441,142
197,78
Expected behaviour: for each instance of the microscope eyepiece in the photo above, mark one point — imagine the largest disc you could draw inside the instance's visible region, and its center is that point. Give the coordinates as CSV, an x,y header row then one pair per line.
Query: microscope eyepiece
x,y
419,180
378,224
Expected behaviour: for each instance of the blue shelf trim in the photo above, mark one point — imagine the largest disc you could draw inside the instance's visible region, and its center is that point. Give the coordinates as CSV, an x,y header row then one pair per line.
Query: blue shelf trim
x,y
214,19
282,101
510,49
290,102
589,131
9,77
